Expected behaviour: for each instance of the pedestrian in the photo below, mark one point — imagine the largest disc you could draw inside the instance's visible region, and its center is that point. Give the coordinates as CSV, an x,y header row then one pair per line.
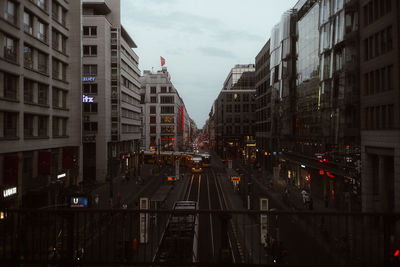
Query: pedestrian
x,y
266,242
304,195
96,200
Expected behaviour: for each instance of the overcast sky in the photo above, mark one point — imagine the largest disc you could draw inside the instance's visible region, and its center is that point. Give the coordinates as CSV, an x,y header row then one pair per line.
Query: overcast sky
x,y
201,40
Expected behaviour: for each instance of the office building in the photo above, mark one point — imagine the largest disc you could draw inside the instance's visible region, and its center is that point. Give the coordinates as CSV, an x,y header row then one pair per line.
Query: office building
x,y
166,123
111,98
40,101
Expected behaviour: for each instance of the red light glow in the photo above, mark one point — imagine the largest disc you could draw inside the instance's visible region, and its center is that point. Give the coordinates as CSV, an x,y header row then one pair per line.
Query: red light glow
x,y
321,172
396,253
330,175
182,116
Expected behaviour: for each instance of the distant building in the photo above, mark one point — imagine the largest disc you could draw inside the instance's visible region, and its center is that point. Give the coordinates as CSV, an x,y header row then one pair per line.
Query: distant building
x,y
40,101
235,114
111,94
166,123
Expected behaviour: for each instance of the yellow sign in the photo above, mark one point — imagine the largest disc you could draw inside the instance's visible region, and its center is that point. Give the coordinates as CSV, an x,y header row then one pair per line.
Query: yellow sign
x,y
235,179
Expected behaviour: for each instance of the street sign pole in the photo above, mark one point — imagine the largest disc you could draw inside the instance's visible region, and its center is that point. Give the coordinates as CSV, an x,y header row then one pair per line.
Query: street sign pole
x,y
263,218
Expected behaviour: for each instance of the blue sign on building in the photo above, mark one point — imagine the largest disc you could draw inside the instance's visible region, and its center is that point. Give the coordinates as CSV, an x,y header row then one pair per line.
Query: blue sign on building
x,y
79,202
87,99
88,79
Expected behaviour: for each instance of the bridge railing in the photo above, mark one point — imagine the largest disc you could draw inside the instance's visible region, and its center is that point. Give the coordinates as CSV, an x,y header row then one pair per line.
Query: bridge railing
x,y
66,237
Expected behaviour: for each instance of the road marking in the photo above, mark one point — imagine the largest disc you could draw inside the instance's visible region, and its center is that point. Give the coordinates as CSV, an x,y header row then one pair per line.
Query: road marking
x,y
198,191
209,206
190,187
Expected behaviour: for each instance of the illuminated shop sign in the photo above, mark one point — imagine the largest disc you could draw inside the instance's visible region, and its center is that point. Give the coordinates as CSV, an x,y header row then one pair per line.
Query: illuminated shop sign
x,y
62,175
9,192
79,202
88,79
87,99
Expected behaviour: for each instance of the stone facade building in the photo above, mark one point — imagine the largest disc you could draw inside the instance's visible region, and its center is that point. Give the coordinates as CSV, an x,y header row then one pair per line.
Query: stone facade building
x,y
166,123
40,101
111,102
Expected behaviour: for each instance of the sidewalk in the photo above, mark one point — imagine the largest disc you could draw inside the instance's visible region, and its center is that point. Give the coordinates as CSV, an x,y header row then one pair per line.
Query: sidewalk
x,y
294,202
123,191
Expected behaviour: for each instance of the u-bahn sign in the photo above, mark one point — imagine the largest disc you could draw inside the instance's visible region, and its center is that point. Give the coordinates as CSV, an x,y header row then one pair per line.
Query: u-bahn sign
x,y
79,202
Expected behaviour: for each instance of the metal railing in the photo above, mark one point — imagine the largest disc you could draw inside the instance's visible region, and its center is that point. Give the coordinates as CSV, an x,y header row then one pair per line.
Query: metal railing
x,y
70,237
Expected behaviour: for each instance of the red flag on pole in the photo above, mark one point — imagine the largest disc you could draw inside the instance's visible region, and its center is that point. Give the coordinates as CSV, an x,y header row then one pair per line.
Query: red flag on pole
x,y
162,61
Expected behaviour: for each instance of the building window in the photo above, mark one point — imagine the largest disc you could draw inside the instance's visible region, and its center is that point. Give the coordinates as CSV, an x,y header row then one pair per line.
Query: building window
x,y
90,107
152,109
153,90
228,108
89,31
42,126
28,125
9,121
229,119
389,36
42,31
167,119
228,130
10,86
153,99
59,41
237,107
167,109
152,129
229,98
237,119
55,71
89,70
59,98
390,77
152,119
10,48
28,23
168,129
163,89
43,94
90,126
10,13
245,107
42,62
90,88
59,126
28,91
28,57
42,4
90,50
167,99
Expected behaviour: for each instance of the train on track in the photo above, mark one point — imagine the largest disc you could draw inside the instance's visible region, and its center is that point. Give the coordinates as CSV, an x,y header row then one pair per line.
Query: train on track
x,y
180,240
193,161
